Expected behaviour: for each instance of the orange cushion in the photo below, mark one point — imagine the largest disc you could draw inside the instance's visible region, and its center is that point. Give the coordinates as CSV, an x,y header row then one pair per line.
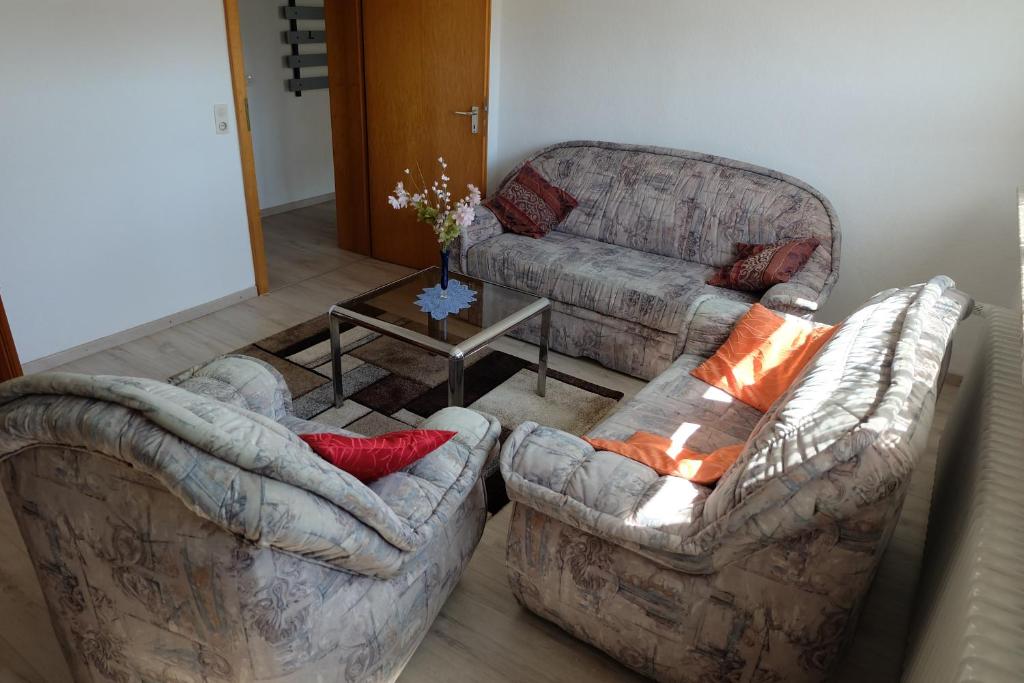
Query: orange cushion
x,y
658,453
762,356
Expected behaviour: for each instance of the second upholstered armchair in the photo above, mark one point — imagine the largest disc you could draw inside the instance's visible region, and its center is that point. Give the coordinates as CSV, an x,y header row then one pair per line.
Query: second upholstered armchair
x,y
187,533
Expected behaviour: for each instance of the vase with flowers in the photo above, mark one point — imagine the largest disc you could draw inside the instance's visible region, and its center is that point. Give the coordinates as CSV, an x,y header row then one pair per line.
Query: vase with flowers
x,y
433,205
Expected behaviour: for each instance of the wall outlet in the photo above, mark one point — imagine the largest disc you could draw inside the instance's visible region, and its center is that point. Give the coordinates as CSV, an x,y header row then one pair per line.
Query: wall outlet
x,y
221,118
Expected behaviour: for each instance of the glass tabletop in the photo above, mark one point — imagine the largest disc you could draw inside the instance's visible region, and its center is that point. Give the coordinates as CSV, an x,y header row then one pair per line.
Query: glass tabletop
x,y
392,309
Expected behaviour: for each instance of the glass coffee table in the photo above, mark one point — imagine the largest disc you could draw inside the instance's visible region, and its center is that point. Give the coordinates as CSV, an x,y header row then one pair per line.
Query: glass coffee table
x,y
391,310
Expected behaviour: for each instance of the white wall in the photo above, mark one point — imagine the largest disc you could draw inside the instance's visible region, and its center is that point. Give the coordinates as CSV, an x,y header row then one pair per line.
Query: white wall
x,y
119,204
908,115
291,135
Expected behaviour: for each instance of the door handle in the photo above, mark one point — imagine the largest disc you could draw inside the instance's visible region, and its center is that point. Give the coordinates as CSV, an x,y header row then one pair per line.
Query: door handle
x,y
474,120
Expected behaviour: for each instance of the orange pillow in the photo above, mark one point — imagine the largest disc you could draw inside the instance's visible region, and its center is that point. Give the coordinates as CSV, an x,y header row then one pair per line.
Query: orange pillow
x,y
762,356
658,453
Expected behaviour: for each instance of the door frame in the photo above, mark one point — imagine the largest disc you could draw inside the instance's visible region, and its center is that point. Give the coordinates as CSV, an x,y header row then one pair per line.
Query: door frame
x,y
10,365
343,24
236,61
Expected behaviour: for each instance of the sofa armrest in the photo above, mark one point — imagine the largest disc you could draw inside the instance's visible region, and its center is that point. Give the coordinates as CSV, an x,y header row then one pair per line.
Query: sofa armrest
x,y
708,323
607,495
484,226
793,298
241,381
711,319
427,493
807,291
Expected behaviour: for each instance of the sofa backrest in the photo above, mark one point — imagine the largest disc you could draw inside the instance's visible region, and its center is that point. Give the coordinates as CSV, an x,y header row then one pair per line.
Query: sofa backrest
x,y
849,431
682,204
242,471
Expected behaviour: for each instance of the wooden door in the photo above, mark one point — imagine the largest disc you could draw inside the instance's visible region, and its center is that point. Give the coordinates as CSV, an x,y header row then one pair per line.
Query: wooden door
x,y
10,367
424,60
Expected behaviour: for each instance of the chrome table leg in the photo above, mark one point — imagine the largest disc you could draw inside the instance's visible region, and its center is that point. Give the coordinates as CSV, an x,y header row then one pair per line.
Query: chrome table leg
x,y
336,361
542,353
456,378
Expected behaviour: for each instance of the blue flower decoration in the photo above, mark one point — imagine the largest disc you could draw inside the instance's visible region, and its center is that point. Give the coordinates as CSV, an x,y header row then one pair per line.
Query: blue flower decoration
x,y
460,297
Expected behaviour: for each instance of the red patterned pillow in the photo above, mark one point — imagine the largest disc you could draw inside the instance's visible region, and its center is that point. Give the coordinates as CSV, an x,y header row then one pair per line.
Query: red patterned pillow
x,y
369,458
759,266
530,205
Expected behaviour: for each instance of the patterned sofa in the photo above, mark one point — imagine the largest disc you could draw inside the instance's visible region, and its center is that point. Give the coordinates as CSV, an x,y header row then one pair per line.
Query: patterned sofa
x,y
652,223
760,578
185,533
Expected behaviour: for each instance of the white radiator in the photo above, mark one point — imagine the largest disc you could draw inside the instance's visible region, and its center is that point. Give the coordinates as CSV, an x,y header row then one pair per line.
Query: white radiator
x,y
969,615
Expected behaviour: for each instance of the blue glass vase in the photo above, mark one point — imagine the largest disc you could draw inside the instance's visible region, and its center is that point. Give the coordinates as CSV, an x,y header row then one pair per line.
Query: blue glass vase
x,y
444,273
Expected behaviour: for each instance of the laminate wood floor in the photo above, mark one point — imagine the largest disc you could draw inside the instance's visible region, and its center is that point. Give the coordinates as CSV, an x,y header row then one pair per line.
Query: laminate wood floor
x,y
481,634
302,243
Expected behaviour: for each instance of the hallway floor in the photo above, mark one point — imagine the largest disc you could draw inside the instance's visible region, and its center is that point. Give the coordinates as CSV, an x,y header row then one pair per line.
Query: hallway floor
x,y
302,243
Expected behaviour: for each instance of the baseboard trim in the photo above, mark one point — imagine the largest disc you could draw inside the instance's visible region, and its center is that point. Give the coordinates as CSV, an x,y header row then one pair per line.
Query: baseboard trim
x,y
138,332
297,204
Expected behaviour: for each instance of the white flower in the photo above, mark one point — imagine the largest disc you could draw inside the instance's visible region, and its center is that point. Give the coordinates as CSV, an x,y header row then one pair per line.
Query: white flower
x,y
464,215
438,197
400,199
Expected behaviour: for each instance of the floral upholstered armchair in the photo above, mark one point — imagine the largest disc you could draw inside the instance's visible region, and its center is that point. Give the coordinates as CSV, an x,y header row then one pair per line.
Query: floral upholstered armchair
x,y
185,533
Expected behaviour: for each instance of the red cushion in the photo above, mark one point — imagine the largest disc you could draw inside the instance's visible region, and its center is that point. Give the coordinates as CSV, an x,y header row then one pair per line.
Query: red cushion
x,y
530,205
759,266
369,458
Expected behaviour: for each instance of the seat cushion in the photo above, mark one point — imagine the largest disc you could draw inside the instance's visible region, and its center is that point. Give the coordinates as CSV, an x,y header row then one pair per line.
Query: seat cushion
x,y
676,402
649,289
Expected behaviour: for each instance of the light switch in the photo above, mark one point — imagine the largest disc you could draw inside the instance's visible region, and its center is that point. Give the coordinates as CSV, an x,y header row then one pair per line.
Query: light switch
x,y
221,116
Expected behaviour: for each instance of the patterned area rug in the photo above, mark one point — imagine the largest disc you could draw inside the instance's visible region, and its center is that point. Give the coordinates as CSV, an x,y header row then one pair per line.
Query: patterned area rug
x,y
390,385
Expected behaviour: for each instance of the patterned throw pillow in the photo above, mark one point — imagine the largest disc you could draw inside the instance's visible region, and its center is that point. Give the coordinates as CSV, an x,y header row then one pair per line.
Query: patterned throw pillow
x,y
369,458
759,266
530,205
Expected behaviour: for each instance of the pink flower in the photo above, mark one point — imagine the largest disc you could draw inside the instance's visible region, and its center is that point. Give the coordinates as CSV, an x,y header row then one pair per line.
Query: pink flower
x,y
400,199
474,194
464,215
